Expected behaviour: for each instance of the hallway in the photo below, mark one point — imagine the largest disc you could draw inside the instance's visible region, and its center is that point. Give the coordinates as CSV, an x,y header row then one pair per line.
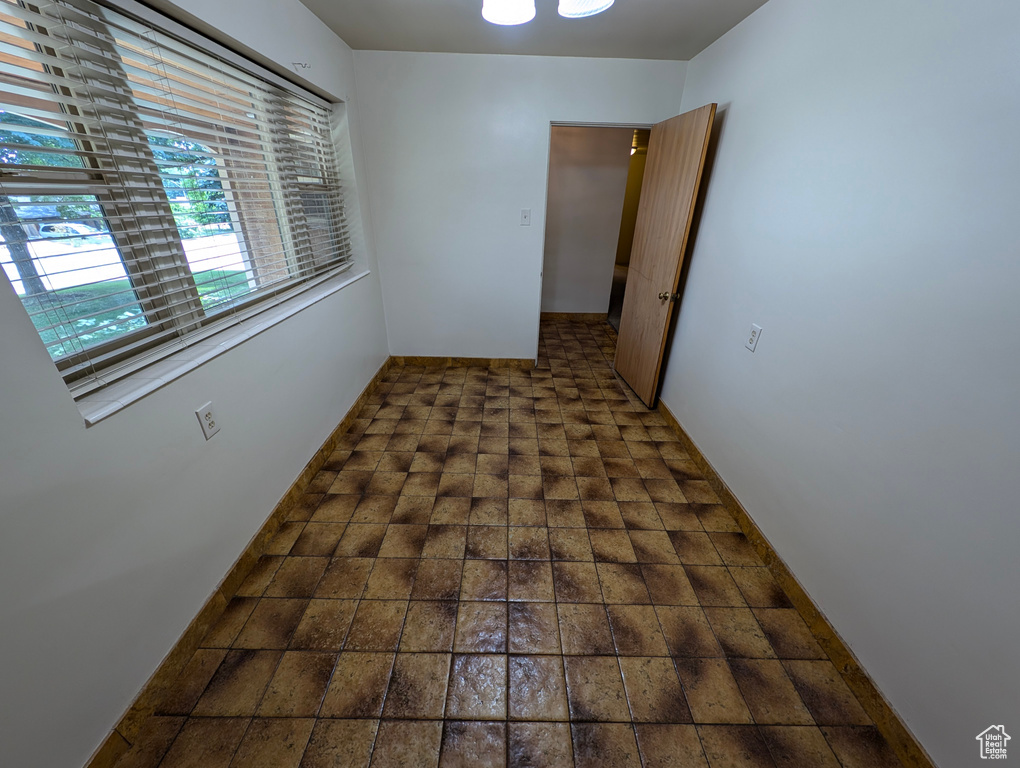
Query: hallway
x,y
510,568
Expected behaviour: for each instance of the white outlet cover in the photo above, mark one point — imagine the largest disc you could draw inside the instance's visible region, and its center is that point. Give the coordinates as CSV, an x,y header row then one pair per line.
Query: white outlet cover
x,y
208,421
752,337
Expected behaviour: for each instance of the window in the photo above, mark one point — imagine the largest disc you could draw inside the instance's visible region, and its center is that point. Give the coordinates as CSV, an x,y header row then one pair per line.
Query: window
x,y
151,193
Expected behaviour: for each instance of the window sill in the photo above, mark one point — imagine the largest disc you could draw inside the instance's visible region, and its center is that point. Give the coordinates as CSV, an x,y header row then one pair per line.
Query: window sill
x,y
119,395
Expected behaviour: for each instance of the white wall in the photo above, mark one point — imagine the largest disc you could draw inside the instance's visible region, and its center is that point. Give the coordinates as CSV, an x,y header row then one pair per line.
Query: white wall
x,y
862,209
587,181
112,538
456,145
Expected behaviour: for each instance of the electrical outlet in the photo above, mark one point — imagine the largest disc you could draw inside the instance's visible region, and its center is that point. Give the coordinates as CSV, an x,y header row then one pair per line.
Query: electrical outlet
x,y
752,337
525,217
207,419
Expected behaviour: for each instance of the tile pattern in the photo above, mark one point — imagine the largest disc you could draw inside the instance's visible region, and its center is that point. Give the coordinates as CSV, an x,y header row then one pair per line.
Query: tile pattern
x,y
503,567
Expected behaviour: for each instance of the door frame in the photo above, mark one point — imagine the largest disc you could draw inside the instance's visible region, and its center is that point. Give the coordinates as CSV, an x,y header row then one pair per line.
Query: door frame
x,y
548,157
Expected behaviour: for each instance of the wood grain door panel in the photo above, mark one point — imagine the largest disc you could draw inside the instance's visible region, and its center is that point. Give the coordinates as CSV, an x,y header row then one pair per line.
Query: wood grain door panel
x,y
676,159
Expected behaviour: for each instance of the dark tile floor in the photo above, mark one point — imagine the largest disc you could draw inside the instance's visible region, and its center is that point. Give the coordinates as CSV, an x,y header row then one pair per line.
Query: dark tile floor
x,y
510,568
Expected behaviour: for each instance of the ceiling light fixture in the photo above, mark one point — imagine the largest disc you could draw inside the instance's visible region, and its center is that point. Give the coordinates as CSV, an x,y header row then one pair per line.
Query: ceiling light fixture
x,y
509,12
579,9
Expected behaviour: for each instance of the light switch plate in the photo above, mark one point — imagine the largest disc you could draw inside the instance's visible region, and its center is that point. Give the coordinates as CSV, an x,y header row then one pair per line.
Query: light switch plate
x,y
525,217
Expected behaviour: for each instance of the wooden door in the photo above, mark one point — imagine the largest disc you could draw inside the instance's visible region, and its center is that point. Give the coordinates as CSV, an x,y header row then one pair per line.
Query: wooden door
x,y
676,158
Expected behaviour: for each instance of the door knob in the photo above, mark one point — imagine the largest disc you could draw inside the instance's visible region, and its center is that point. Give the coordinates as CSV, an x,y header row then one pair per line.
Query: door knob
x,y
667,295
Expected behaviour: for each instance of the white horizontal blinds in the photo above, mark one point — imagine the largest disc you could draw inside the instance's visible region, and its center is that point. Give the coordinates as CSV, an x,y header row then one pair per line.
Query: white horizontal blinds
x,y
45,178
151,193
124,273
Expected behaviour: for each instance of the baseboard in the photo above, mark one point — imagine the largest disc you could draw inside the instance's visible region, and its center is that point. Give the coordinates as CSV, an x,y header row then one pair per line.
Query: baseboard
x,y
581,317
127,730
890,725
525,363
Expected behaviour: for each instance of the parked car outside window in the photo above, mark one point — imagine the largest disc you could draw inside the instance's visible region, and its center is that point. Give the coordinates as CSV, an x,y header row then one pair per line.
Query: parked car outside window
x,y
67,228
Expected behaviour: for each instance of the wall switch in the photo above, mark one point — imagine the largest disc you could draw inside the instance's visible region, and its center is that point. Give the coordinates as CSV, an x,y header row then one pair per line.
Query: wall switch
x,y
752,337
525,217
207,418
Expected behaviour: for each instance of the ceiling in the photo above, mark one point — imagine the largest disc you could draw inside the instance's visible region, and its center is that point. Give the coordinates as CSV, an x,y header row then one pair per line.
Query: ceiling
x,y
631,29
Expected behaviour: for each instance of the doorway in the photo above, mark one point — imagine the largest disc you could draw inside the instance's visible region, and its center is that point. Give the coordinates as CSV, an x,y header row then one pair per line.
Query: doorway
x,y
594,185
578,233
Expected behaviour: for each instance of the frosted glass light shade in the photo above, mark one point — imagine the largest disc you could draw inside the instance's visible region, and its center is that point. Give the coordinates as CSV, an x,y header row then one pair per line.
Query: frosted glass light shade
x,y
578,9
509,12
